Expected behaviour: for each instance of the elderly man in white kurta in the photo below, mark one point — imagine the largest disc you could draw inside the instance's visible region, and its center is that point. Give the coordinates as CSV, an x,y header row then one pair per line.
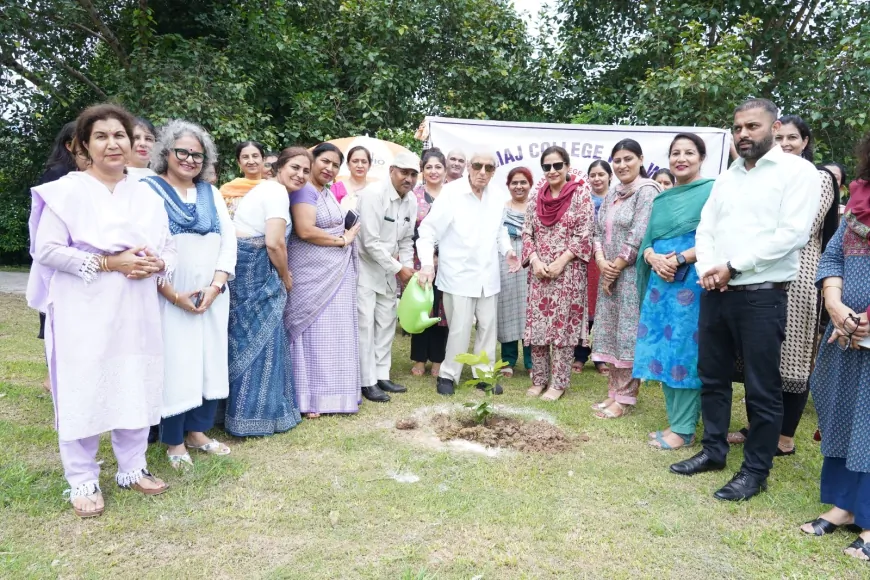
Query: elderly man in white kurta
x,y
386,251
465,222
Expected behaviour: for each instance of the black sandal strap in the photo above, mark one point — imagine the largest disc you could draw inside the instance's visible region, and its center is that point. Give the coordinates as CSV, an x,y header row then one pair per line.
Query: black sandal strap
x,y
821,526
858,544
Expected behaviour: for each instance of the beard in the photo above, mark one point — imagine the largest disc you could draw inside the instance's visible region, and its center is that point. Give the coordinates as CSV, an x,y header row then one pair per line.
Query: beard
x,y
758,148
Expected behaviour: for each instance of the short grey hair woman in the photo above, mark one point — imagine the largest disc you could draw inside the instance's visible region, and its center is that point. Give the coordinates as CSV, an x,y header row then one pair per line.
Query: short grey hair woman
x,y
196,308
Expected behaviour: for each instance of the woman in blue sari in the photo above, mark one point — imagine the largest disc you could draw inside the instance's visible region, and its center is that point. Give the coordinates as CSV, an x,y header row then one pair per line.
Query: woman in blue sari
x,y
262,400
667,335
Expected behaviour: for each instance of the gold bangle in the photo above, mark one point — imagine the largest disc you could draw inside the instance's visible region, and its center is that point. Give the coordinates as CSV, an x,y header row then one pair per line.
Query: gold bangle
x,y
175,303
344,239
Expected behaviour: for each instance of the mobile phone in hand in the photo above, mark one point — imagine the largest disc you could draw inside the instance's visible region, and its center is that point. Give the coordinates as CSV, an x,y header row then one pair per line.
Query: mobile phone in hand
x,y
681,273
197,300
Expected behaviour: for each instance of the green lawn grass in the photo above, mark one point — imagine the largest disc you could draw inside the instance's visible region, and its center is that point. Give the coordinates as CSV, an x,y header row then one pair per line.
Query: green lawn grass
x,y
318,502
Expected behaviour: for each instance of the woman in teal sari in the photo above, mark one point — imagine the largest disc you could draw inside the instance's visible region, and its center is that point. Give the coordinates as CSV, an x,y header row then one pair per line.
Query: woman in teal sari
x,y
667,335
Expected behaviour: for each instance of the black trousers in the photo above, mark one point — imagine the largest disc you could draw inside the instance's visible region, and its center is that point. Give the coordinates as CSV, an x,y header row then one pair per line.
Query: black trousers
x,y
752,324
431,344
582,353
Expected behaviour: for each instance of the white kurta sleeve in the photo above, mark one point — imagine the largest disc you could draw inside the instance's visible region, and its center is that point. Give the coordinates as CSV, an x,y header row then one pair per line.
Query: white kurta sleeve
x,y
504,241
226,261
432,228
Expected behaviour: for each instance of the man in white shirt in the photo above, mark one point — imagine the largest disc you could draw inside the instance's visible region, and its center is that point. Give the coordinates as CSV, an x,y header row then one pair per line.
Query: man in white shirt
x,y
387,216
465,222
752,228
455,165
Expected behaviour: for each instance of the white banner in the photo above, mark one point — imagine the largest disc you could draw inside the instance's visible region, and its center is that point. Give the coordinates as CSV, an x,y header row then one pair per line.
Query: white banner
x,y
520,144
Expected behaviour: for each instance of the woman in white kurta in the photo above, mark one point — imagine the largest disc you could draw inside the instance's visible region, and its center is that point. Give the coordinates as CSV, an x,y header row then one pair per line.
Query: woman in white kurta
x,y
98,242
196,305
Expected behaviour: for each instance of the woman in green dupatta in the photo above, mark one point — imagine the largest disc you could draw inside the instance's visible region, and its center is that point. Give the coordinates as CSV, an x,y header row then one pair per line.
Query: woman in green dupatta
x,y
667,335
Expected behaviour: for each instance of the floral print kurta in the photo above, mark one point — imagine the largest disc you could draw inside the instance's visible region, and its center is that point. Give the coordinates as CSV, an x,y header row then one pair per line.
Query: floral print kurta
x,y
619,230
557,308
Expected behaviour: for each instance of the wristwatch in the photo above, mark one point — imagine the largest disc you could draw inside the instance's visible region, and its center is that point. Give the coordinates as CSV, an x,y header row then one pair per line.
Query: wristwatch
x,y
731,270
681,260
221,289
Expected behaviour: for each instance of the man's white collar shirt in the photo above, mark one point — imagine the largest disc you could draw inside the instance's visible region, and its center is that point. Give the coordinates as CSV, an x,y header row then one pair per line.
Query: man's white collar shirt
x,y
470,236
759,219
386,235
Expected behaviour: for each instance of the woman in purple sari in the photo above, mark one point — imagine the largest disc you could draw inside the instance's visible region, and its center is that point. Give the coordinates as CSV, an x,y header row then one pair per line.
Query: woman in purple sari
x,y
321,315
98,241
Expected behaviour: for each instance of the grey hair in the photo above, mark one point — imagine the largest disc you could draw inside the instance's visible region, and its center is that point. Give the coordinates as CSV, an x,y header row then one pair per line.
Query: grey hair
x,y
171,132
482,153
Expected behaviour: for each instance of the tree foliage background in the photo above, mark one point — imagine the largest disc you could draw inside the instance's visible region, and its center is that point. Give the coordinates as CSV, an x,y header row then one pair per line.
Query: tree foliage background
x,y
298,72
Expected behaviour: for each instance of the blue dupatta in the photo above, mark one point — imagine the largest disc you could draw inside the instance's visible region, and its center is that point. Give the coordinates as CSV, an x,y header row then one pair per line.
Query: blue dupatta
x,y
201,219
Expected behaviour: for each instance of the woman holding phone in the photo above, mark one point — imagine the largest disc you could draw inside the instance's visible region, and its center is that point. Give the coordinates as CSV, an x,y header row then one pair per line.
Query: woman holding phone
x,y
667,334
321,316
196,308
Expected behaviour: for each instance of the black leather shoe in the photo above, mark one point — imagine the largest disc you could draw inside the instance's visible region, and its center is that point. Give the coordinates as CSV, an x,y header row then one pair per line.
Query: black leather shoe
x,y
742,486
375,394
698,463
496,390
391,387
445,386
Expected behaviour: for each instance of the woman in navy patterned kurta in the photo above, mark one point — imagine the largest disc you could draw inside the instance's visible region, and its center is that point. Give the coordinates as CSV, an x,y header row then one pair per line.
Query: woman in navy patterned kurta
x,y
840,382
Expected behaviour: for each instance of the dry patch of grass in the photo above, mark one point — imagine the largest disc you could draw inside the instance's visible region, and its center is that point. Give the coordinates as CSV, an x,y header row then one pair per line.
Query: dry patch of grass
x,y
322,501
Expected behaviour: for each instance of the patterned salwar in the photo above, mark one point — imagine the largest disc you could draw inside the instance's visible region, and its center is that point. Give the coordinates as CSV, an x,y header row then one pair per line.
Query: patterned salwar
x,y
556,315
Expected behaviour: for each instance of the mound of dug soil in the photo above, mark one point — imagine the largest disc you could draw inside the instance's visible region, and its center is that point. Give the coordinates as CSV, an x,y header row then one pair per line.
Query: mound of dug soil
x,y
509,432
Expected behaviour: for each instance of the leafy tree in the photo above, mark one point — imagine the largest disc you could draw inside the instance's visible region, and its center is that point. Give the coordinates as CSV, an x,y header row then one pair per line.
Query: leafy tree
x,y
281,71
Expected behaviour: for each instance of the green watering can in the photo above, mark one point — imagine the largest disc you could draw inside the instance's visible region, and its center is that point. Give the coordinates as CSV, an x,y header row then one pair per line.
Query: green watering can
x,y
415,306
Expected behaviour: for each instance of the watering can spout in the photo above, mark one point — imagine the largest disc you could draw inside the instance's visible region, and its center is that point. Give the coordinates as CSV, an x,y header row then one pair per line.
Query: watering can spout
x,y
415,307
427,322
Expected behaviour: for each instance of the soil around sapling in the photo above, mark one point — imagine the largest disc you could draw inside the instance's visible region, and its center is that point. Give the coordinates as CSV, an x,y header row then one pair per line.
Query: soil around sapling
x,y
533,436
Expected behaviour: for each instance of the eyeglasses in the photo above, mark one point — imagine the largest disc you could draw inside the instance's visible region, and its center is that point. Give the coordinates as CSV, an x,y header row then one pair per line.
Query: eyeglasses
x,y
489,167
554,166
847,344
267,165
184,155
456,159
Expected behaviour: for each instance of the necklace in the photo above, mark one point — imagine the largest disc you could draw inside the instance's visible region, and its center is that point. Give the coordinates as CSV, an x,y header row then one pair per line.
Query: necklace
x,y
515,209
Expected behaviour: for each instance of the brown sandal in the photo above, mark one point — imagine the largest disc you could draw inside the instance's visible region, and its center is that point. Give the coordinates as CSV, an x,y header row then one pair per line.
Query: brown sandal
x,y
127,481
90,492
553,394
738,437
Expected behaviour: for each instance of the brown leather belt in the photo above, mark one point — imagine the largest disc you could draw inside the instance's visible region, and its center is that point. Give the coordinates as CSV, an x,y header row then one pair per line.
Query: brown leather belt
x,y
762,286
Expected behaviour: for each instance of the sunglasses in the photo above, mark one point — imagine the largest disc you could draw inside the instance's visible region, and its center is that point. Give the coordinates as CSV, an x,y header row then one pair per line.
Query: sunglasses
x,y
554,166
489,167
184,154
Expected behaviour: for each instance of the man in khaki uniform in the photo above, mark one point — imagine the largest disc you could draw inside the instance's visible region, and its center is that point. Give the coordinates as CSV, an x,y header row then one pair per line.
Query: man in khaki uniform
x,y
387,216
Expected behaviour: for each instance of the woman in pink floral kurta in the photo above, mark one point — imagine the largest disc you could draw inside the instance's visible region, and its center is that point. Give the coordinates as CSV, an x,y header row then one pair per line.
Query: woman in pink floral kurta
x,y
557,243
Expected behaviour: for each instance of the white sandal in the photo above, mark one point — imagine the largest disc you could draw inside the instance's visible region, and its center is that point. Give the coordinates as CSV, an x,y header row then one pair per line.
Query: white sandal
x,y
213,447
179,462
